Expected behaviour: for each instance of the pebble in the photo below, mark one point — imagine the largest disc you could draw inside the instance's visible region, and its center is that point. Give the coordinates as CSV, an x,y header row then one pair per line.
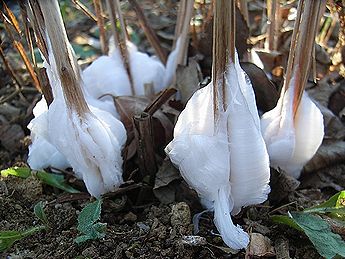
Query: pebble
x,y
180,214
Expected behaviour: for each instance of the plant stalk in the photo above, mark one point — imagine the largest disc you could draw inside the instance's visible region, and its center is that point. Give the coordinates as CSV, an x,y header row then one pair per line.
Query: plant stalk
x,y
223,50
67,67
149,32
100,23
120,38
304,48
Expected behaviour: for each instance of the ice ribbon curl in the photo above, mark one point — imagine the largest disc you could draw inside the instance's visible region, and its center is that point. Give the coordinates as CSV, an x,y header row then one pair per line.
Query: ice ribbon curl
x,y
225,160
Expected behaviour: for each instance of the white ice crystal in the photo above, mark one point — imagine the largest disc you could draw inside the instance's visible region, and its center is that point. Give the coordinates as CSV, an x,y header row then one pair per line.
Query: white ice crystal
x,y
91,142
42,153
291,143
225,162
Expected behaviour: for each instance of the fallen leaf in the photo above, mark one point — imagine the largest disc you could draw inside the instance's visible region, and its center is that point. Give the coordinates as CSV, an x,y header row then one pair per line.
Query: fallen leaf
x,y
187,79
164,189
260,246
266,94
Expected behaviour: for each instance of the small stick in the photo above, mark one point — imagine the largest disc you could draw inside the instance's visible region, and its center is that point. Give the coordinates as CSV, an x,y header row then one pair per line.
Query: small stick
x,y
8,67
84,9
68,72
100,23
149,32
223,50
36,18
19,47
11,18
120,39
145,145
28,35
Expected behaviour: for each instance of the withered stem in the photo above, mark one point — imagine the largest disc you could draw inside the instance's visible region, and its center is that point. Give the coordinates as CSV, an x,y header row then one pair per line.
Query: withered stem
x,y
304,48
120,38
67,67
149,32
223,49
100,23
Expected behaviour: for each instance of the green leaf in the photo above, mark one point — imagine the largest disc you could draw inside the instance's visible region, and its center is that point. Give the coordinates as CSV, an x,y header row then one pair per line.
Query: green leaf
x,y
335,206
54,180
286,220
22,172
7,238
39,212
87,222
327,243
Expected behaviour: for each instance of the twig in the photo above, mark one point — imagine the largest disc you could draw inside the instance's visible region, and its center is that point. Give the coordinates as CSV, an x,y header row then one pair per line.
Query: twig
x,y
11,18
84,9
28,35
149,32
100,22
37,21
19,47
143,133
9,68
120,38
36,18
160,100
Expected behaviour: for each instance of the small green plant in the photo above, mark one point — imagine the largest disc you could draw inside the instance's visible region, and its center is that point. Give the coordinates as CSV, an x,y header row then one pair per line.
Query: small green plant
x,y
39,212
87,222
318,230
7,238
54,180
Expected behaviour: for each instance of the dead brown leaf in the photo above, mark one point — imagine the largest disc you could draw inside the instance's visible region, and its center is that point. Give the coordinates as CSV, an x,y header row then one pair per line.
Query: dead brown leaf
x,y
260,246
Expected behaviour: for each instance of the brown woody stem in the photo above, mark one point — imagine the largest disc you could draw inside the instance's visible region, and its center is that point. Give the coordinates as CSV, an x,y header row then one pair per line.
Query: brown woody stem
x,y
304,48
223,49
68,71
120,38
149,32
100,23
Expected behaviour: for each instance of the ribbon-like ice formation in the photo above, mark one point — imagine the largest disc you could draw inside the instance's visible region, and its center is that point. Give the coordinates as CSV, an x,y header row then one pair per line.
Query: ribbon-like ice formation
x,y
225,161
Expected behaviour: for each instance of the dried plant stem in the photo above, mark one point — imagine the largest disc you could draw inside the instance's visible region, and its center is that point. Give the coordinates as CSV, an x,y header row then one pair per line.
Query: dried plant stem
x,y
223,49
243,6
149,32
28,35
120,38
306,42
84,9
67,69
35,15
291,58
100,22
8,67
273,10
36,20
19,47
182,29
